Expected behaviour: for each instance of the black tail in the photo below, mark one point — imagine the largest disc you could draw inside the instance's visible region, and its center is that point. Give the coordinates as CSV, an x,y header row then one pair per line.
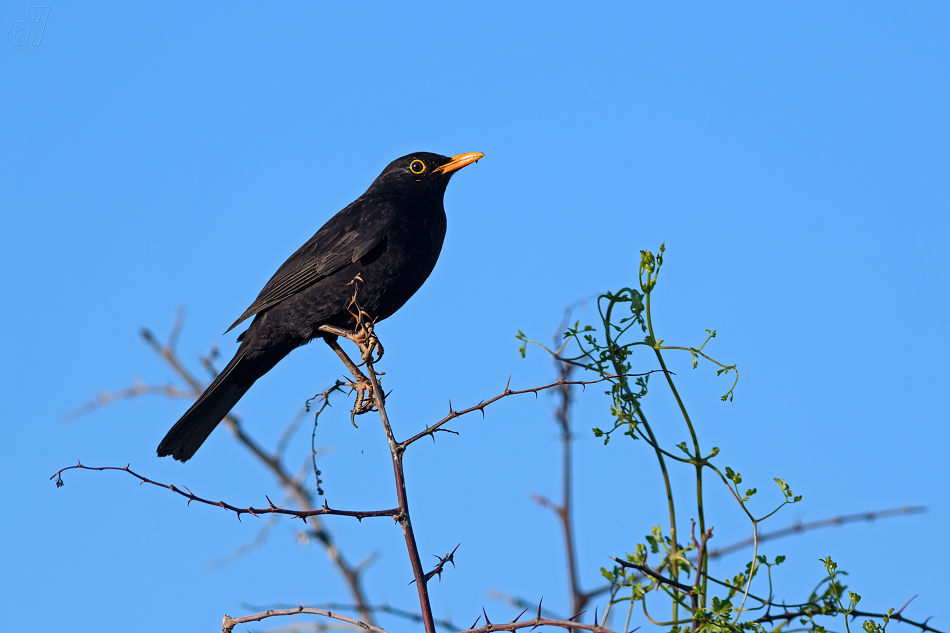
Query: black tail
x,y
190,432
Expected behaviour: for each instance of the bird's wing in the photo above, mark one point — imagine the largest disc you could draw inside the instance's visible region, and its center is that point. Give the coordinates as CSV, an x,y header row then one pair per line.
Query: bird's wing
x,y
346,237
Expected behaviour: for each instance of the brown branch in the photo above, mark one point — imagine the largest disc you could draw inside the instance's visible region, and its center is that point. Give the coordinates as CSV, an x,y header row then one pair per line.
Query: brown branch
x,y
129,393
448,558
374,608
228,624
398,451
701,558
814,525
271,509
564,511
536,622
504,394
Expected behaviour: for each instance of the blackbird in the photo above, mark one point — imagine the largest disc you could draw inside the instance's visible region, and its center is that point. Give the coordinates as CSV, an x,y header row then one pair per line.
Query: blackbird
x,y
390,237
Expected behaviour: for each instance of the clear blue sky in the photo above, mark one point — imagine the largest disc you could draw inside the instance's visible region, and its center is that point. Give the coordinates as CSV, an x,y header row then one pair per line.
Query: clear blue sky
x,y
792,156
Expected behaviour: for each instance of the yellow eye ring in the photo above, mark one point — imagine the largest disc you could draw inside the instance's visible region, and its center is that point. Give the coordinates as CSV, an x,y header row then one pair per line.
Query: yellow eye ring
x,y
417,166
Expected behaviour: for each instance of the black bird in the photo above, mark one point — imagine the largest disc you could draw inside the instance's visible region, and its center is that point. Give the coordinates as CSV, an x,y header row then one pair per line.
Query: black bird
x,y
390,236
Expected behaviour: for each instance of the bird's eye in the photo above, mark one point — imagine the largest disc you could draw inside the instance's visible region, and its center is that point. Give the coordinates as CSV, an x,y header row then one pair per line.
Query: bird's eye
x,y
417,166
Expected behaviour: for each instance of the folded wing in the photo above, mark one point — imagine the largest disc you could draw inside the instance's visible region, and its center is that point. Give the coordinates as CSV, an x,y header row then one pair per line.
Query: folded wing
x,y
348,236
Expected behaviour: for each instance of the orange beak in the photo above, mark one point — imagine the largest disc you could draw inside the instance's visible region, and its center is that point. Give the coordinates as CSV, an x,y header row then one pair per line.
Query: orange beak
x,y
459,161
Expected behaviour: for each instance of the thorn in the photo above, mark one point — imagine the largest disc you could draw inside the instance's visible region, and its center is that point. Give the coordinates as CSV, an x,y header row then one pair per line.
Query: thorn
x,y
475,622
905,606
542,597
576,615
273,507
508,384
595,616
450,406
519,615
487,621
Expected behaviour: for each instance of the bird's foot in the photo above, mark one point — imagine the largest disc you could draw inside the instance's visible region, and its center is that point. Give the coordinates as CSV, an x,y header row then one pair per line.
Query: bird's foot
x,y
369,343
365,397
364,337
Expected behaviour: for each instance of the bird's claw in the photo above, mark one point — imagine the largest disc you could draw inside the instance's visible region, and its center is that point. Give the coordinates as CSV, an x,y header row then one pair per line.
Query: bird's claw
x,y
365,397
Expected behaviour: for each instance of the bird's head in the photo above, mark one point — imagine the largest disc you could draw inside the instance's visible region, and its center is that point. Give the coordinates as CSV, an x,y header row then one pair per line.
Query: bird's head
x,y
422,173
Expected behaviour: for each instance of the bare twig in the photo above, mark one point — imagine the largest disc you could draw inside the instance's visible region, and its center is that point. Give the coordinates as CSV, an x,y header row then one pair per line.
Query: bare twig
x,y
504,394
374,608
397,451
437,571
271,509
814,525
129,393
536,622
228,624
564,511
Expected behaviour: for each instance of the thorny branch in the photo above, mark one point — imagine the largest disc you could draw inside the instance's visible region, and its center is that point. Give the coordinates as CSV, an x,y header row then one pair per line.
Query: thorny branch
x,y
537,621
437,571
504,394
271,509
229,623
374,608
